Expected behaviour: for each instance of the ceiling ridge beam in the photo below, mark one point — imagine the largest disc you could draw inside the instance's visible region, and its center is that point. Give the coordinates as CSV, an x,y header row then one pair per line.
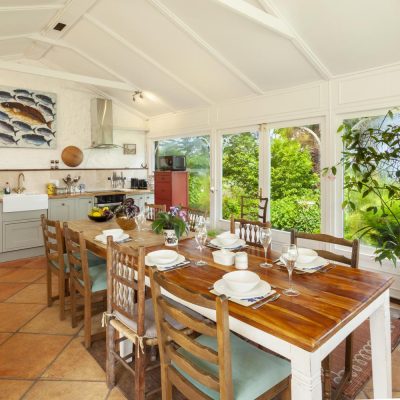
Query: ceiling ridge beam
x,y
13,37
62,43
146,57
298,41
211,50
254,14
33,7
51,73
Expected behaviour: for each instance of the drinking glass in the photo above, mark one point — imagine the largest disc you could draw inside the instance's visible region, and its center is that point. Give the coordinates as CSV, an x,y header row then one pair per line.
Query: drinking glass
x,y
140,219
289,256
265,240
201,238
200,224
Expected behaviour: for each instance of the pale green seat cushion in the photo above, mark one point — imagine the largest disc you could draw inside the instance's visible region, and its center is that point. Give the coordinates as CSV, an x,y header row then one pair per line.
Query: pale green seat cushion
x,y
253,371
98,277
93,260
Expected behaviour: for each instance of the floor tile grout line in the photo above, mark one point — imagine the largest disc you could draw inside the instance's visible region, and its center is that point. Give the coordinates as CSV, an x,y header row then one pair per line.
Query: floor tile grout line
x,y
4,300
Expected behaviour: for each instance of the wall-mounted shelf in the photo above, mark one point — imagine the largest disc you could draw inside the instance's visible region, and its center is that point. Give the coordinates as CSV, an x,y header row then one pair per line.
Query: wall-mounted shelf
x,y
71,169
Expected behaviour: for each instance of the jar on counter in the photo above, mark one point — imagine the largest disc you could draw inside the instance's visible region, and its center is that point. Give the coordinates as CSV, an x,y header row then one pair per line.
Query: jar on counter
x,y
51,188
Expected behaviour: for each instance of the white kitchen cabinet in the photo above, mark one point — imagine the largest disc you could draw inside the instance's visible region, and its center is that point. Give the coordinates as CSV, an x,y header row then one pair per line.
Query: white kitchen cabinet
x,y
83,206
149,198
61,209
23,234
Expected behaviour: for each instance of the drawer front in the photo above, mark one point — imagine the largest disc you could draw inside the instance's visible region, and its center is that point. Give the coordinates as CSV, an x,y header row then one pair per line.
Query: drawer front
x,y
22,235
163,191
162,177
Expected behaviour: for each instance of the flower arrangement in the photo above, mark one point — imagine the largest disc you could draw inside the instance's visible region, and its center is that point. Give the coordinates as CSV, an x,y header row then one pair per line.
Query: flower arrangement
x,y
175,219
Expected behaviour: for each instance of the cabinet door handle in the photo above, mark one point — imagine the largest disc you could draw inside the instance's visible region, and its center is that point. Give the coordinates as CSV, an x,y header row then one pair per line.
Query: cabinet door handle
x,y
90,201
63,204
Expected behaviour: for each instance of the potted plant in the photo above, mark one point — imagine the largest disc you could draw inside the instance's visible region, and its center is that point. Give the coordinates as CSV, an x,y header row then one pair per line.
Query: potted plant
x,y
125,214
172,223
371,165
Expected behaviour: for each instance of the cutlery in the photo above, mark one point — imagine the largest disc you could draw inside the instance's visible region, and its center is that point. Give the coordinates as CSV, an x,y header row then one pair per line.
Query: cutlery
x,y
326,269
269,300
183,264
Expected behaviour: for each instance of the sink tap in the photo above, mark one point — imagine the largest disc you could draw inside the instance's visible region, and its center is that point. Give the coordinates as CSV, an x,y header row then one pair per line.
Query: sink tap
x,y
19,189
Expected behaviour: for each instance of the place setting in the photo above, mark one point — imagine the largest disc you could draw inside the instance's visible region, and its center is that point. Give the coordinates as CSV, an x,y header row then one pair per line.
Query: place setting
x,y
227,241
118,236
166,260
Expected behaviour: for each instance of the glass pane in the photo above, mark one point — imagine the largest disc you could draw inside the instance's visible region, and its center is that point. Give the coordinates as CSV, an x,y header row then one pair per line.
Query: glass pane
x,y
197,152
295,178
385,173
239,171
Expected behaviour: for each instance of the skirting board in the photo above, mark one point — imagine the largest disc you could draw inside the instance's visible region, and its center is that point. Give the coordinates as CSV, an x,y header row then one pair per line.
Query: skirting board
x,y
25,253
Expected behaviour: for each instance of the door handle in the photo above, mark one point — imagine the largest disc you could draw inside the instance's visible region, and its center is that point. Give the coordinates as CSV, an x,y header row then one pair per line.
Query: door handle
x,y
212,189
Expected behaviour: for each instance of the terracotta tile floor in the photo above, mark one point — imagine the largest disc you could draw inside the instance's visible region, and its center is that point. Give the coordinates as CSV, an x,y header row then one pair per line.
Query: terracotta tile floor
x,y
43,357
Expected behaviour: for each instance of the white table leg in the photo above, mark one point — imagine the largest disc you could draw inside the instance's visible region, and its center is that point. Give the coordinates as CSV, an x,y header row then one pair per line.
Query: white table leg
x,y
306,375
381,350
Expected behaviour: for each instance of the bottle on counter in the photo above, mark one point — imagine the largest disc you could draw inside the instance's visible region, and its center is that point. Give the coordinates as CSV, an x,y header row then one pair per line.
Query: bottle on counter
x,y
7,189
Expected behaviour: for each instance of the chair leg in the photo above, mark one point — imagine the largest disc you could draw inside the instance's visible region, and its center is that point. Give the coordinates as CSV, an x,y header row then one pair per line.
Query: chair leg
x,y
49,287
140,383
88,320
166,385
110,361
287,393
61,296
326,366
73,302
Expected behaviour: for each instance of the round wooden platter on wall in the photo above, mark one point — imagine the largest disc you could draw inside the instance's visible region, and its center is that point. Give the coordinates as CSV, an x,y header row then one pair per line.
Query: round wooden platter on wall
x,y
72,156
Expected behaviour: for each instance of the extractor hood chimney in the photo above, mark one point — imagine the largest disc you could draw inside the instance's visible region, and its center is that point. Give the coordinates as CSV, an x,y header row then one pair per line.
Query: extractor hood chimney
x,y
102,124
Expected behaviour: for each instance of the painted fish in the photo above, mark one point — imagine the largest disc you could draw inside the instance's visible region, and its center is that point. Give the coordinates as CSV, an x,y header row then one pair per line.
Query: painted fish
x,y
36,140
45,99
28,114
45,131
8,139
7,128
5,96
4,116
26,100
46,110
22,126
23,92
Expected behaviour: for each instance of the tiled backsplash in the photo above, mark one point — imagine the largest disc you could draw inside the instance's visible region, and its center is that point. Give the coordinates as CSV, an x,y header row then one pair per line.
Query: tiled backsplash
x,y
36,181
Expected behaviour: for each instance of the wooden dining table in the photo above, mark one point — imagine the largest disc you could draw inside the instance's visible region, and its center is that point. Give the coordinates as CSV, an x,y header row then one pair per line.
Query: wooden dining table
x,y
303,329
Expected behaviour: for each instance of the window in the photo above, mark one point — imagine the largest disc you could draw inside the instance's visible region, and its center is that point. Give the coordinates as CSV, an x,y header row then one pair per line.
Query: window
x,y
295,178
239,170
197,152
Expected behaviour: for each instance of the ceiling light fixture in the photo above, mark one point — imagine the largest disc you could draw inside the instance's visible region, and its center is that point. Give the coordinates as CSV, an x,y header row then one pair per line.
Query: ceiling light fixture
x,y
137,94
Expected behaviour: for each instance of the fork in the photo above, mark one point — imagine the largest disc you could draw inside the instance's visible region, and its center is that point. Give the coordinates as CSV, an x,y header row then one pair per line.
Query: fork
x,y
271,299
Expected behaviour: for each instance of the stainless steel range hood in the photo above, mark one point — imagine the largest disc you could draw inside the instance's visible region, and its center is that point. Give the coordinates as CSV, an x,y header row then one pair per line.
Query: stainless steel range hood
x,y
102,124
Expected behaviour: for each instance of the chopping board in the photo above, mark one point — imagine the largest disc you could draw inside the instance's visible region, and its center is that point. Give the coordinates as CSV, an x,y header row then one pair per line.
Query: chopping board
x,y
72,156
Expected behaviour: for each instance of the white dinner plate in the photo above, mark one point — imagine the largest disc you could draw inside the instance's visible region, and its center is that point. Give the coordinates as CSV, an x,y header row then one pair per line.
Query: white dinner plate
x,y
319,262
162,257
149,262
261,289
238,243
103,239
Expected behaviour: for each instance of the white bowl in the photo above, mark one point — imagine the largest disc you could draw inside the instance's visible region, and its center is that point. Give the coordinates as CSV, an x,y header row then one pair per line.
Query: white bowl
x,y
227,238
115,233
163,256
224,257
306,256
241,281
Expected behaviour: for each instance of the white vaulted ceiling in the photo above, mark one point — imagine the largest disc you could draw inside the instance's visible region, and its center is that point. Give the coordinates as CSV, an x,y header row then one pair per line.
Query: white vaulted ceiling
x,y
192,53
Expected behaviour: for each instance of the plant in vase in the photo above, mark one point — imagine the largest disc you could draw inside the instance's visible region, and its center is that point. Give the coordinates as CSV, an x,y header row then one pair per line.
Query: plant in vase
x,y
172,223
125,214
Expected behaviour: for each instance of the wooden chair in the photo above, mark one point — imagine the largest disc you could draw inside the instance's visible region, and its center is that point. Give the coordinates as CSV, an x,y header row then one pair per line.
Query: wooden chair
x,y
129,314
54,250
353,263
91,283
249,231
193,216
248,202
216,363
151,210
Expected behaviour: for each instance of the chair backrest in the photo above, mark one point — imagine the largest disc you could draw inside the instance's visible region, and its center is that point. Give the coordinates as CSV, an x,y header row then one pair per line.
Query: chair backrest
x,y
77,256
53,241
251,206
126,283
176,347
151,210
249,230
193,216
324,238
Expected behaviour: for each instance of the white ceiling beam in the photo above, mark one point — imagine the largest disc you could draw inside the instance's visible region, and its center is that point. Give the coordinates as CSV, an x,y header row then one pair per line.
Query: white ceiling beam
x,y
13,37
211,50
51,73
146,57
31,7
254,14
298,42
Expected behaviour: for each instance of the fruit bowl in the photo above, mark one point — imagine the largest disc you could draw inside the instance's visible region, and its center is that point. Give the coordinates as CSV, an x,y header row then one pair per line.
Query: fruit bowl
x,y
101,218
100,214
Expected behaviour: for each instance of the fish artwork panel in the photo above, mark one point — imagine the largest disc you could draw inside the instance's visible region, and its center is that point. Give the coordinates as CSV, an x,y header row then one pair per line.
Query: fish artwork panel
x,y
28,118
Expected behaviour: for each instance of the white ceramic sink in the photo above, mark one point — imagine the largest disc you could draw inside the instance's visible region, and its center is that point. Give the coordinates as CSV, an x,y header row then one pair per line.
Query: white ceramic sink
x,y
25,202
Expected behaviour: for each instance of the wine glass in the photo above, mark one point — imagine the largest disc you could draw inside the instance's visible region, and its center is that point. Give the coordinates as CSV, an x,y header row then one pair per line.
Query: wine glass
x,y
289,257
201,238
200,224
140,219
265,239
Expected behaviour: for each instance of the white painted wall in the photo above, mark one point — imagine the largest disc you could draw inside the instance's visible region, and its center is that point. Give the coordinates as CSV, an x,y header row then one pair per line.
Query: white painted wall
x,y
73,127
328,103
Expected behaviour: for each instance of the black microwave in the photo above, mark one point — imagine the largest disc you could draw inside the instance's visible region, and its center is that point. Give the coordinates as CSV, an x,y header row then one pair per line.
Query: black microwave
x,y
172,163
